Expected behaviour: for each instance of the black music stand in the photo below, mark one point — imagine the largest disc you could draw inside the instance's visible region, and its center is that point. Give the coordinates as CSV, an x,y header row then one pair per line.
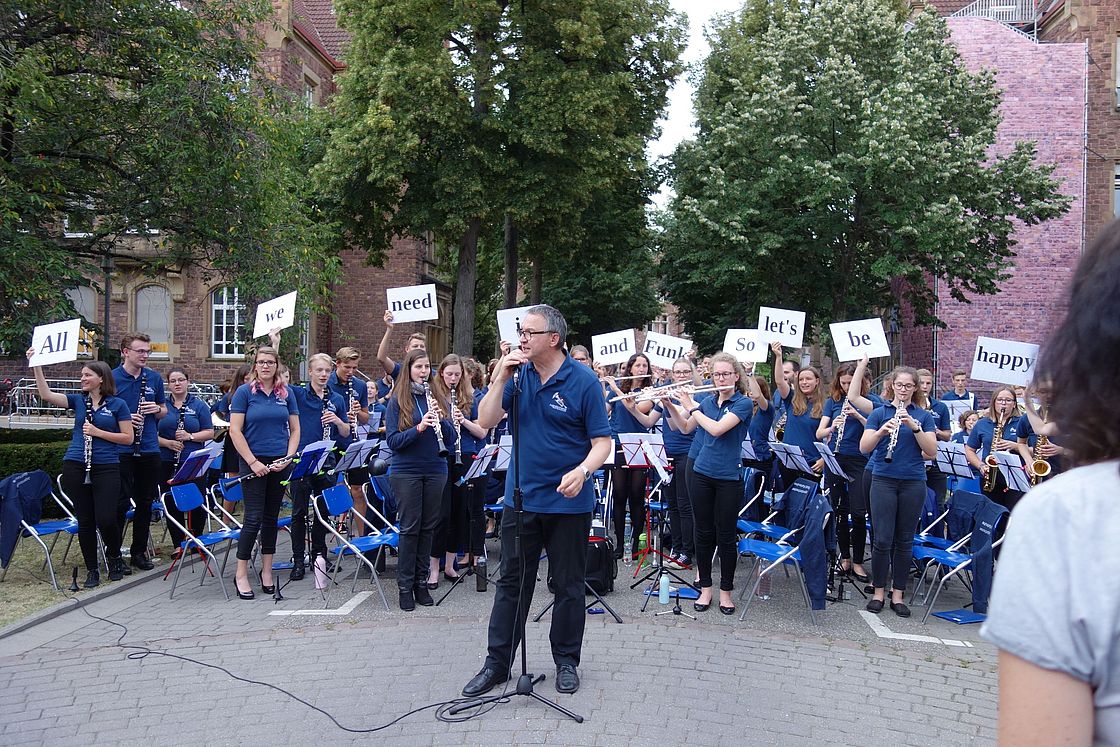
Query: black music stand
x,y
951,460
792,457
526,681
309,462
1013,471
833,467
478,467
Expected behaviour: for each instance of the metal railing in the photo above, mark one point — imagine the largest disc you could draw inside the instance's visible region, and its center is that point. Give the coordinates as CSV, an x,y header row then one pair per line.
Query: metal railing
x,y
1020,16
27,407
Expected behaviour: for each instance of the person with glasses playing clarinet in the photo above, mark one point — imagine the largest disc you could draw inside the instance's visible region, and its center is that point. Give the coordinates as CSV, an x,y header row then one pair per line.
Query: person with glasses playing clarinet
x,y
91,465
142,390
899,437
185,428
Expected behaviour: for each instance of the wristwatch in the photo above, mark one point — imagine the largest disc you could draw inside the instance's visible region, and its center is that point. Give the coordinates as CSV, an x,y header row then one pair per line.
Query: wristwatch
x,y
694,409
586,473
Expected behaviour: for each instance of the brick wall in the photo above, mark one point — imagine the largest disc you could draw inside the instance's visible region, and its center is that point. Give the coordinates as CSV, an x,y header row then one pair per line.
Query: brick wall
x,y
1044,101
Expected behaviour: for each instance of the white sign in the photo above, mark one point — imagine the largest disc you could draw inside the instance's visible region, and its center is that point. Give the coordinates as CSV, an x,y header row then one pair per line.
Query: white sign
x,y
783,325
279,313
663,350
509,322
55,343
414,303
1004,361
746,345
853,340
613,347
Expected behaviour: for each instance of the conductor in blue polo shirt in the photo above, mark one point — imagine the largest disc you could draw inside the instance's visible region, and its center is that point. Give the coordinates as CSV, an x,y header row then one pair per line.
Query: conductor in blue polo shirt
x,y
564,437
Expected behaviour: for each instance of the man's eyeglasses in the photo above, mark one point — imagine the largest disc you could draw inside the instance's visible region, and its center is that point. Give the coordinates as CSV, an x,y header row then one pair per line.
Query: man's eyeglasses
x,y
140,351
526,334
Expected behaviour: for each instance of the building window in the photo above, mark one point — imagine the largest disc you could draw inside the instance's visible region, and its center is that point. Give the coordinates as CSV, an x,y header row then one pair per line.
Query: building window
x,y
660,325
153,317
227,315
78,221
84,299
310,93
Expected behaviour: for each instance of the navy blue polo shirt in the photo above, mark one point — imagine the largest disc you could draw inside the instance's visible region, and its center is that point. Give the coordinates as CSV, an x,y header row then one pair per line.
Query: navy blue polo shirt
x,y
719,457
853,429
128,389
953,396
1025,430
195,418
361,393
557,419
980,440
108,417
908,464
622,421
941,417
762,422
310,406
675,441
960,437
416,453
266,427
471,444
801,430
221,407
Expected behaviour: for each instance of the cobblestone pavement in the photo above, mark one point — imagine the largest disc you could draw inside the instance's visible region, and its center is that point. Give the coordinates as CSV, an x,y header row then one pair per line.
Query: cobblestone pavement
x,y
774,679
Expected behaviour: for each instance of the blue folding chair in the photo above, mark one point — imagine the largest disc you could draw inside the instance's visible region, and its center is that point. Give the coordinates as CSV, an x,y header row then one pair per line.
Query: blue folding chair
x,y
335,503
24,493
791,506
187,498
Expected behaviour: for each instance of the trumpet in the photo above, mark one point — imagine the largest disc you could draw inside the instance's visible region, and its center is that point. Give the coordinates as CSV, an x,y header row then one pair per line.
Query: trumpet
x,y
1040,468
668,390
434,405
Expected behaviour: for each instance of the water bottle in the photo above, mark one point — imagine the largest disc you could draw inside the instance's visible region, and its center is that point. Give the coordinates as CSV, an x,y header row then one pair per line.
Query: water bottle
x,y
663,590
321,578
627,556
480,577
763,590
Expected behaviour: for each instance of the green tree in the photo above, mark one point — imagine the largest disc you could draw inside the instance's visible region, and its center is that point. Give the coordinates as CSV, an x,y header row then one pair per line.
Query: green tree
x,y
465,119
843,158
150,125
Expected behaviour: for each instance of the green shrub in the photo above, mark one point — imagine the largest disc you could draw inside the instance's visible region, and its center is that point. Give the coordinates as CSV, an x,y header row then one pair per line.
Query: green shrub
x,y
28,457
29,436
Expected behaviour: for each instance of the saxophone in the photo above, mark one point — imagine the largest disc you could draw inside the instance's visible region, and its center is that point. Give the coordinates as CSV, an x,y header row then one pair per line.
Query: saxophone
x,y
434,405
993,464
780,427
1040,468
458,430
899,413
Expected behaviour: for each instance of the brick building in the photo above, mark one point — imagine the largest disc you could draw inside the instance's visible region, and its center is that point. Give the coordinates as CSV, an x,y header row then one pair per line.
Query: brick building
x,y
1050,82
195,318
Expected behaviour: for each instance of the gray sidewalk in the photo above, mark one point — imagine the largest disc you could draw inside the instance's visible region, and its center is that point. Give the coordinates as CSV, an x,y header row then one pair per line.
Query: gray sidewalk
x,y
773,679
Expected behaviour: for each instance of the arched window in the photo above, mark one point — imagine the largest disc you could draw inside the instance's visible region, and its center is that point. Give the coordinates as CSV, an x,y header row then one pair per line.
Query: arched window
x,y
153,316
84,299
227,315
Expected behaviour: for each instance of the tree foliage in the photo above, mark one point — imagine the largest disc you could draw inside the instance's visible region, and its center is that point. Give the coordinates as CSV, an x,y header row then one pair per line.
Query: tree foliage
x,y
455,118
147,119
843,157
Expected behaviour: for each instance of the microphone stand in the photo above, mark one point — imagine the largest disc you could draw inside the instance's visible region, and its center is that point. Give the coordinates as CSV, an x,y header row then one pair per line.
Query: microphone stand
x,y
526,680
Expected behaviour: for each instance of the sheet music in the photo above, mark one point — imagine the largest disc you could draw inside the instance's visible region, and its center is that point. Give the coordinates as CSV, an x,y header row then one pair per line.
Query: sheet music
x,y
792,457
1012,468
952,461
746,451
657,461
830,462
633,452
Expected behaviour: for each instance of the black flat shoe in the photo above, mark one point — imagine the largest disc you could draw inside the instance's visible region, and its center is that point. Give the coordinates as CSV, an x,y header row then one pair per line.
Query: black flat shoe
x,y
875,606
727,610
451,578
422,597
141,561
298,571
567,679
266,589
484,682
863,578
701,607
900,609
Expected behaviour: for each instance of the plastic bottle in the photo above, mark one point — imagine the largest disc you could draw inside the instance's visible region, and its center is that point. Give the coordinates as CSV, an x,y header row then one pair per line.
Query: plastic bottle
x,y
763,590
321,578
663,589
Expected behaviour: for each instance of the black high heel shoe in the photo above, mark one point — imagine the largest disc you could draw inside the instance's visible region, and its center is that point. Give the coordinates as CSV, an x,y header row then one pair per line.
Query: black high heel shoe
x,y
244,594
266,589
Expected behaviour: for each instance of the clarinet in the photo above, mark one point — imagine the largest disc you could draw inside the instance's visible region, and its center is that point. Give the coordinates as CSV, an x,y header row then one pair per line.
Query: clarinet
x,y
433,405
87,441
326,409
138,432
841,421
899,412
458,432
179,427
351,416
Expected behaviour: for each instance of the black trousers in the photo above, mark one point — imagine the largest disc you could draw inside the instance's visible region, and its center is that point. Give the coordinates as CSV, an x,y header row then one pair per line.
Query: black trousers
x,y
938,482
451,534
681,525
196,522
896,506
300,492
139,480
262,497
95,506
850,500
564,537
715,506
629,490
418,502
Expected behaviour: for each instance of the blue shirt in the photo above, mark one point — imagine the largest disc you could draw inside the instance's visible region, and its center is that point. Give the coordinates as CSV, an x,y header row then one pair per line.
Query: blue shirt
x,y
853,429
951,395
762,421
196,417
941,417
719,457
128,389
416,453
622,421
557,419
361,393
310,406
801,430
108,417
959,437
675,441
980,440
472,444
908,464
266,427
1025,430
